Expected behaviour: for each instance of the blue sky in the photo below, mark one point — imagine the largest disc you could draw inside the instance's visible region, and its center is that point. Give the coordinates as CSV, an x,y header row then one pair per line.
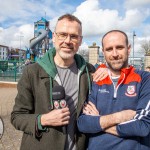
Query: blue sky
x,y
17,18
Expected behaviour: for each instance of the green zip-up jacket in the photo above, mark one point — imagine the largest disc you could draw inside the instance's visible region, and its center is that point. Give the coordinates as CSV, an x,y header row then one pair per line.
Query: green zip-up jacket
x,y
35,98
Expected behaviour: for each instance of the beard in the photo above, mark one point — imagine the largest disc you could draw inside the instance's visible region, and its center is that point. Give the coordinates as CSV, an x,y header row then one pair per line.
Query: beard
x,y
66,55
117,65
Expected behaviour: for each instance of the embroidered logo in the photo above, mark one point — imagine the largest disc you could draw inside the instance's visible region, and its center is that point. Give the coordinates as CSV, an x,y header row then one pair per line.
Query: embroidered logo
x,y
103,91
130,91
56,104
62,103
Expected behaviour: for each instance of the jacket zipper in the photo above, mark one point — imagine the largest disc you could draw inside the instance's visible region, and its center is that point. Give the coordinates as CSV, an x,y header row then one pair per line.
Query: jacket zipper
x,y
116,88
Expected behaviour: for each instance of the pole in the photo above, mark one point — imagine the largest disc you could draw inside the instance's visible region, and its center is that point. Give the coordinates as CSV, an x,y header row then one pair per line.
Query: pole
x,y
20,49
133,45
45,14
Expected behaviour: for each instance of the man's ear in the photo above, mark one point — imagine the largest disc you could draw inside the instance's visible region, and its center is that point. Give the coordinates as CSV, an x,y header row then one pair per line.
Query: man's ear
x,y
129,49
81,40
103,51
103,55
53,37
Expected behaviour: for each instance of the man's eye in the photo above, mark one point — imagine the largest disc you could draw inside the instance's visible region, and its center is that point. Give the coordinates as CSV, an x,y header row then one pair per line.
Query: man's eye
x,y
74,36
119,47
108,50
63,35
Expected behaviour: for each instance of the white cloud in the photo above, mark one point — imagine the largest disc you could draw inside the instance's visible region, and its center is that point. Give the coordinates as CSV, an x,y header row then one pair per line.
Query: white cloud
x,y
97,21
146,30
132,18
13,36
137,3
13,9
18,16
24,11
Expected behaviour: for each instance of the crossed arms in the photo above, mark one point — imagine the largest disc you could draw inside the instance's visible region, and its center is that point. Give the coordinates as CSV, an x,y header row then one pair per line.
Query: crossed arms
x,y
124,123
108,122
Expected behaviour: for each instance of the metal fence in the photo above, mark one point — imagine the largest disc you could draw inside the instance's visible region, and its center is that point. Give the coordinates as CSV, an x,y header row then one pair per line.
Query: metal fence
x,y
11,70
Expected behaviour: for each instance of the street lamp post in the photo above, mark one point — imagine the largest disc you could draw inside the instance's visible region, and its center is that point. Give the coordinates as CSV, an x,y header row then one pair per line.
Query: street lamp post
x,y
133,45
20,48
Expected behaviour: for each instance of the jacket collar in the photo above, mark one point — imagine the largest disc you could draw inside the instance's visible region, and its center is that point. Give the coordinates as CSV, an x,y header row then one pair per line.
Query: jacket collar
x,y
126,71
43,73
47,63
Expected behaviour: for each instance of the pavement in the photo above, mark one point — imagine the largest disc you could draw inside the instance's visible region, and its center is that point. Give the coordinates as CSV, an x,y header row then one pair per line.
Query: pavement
x,y
11,138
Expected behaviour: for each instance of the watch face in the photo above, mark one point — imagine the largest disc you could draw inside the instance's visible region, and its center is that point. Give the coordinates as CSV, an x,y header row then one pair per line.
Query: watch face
x,y
1,127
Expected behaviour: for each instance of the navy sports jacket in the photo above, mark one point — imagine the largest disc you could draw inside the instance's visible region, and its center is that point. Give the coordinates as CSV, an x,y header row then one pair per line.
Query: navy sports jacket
x,y
132,92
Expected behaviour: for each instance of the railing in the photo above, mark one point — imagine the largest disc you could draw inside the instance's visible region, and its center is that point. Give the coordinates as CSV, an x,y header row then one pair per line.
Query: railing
x,y
11,70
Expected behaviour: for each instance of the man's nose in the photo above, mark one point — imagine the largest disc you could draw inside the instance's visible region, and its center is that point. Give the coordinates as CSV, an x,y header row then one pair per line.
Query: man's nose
x,y
115,53
68,39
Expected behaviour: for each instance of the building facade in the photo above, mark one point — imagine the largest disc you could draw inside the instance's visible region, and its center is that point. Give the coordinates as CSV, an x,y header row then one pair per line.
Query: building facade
x,y
4,50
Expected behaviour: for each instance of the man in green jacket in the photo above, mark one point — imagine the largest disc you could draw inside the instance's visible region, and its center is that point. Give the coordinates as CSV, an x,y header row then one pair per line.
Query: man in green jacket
x,y
34,113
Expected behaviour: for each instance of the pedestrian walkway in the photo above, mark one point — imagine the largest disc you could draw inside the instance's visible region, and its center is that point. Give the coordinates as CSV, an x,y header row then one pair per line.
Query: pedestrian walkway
x,y
11,138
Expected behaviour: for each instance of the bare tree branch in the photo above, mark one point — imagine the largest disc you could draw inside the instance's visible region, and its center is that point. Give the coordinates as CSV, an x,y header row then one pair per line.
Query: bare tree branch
x,y
146,46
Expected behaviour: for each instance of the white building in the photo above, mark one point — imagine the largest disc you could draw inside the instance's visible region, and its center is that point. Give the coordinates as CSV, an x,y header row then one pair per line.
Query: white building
x,y
4,52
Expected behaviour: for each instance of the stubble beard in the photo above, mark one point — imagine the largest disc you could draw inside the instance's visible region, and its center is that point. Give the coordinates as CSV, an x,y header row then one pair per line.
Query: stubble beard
x,y
117,66
65,55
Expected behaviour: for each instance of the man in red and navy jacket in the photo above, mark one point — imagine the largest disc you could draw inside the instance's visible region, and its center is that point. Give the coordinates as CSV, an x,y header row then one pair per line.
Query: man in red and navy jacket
x,y
117,116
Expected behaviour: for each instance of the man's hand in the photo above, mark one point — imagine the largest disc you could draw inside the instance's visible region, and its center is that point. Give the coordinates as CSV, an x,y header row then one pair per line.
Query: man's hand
x,y
100,74
56,117
90,109
116,118
111,130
